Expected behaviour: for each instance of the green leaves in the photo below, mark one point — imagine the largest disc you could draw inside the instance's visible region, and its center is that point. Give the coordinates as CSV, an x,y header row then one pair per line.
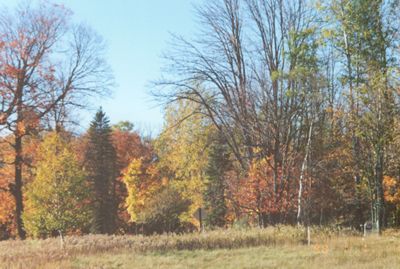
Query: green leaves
x,y
100,163
57,198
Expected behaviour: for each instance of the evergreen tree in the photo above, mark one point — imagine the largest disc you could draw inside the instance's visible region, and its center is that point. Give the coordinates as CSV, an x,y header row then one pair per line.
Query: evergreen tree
x,y
100,158
214,194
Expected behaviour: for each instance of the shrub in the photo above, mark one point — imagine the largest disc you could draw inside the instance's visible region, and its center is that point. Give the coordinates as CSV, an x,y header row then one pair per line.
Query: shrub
x,y
162,213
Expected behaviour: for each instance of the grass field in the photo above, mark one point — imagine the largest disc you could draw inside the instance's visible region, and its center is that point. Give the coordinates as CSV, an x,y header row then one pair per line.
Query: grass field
x,y
255,248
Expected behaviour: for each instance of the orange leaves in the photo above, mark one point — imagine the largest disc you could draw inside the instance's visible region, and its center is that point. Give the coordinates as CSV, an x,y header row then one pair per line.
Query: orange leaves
x,y
261,191
6,207
29,122
7,227
128,145
391,190
11,70
21,128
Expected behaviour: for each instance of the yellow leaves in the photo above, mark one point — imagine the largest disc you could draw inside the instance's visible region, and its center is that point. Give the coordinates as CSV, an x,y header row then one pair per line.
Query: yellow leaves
x,y
57,198
257,150
152,171
135,167
259,166
183,151
275,75
142,181
318,5
327,33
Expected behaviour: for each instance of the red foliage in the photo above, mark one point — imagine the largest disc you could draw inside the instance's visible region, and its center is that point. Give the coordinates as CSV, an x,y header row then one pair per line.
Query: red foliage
x,y
262,192
7,204
128,146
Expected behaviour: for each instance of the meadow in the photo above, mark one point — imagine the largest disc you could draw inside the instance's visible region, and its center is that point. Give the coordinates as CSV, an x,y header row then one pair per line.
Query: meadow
x,y
278,247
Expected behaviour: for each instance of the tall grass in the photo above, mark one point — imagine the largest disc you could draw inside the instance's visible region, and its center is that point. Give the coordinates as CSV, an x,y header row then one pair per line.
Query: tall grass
x,y
35,253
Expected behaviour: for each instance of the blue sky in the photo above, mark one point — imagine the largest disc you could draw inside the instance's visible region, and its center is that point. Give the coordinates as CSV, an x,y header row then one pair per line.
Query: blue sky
x,y
137,32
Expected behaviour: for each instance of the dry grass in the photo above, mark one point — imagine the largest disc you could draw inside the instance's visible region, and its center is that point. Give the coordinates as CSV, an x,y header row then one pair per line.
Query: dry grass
x,y
351,253
254,248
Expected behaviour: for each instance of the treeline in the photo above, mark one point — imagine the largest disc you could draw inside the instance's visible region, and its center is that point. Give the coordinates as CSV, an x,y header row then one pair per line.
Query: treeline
x,y
276,112
304,96
110,180
49,67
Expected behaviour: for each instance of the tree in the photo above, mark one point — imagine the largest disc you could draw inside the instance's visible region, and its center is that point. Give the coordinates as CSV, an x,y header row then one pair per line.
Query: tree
x,y
47,65
254,195
253,85
129,145
6,216
162,213
215,185
123,126
182,149
56,201
7,171
100,164
366,39
142,182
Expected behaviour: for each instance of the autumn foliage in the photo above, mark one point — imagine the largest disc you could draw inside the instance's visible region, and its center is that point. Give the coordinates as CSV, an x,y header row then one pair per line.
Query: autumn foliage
x,y
57,198
258,195
279,113
142,182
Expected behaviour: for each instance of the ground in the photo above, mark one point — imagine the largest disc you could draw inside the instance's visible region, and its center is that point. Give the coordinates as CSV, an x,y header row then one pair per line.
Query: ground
x,y
325,252
371,253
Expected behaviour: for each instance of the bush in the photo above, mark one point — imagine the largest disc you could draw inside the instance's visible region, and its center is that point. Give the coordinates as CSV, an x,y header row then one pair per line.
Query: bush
x,y
162,213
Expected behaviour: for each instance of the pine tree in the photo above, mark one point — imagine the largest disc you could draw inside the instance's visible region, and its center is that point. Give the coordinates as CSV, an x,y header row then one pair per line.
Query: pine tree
x,y
100,158
215,185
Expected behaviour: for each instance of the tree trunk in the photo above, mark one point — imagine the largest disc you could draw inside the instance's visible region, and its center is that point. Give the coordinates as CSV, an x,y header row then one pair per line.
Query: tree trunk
x,y
380,201
18,163
17,192
301,179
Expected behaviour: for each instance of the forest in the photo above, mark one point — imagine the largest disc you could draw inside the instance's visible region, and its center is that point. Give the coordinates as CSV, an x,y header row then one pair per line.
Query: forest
x,y
276,112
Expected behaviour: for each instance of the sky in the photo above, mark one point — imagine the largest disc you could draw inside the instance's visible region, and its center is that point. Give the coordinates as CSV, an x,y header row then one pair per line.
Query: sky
x,y
137,32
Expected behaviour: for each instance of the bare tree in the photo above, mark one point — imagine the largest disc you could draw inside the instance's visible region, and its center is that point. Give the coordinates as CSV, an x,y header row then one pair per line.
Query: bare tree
x,y
252,69
48,65
213,71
